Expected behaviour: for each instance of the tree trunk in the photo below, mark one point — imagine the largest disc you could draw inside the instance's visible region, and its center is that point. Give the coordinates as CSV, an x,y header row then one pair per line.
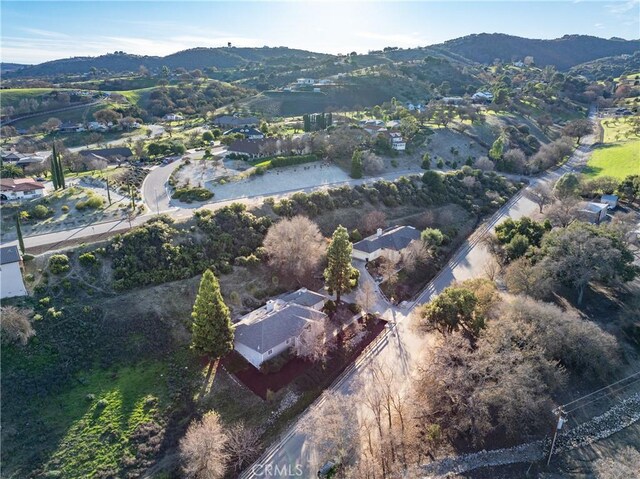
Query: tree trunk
x,y
580,294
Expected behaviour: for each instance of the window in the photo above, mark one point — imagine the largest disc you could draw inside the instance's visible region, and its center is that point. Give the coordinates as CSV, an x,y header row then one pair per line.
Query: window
x,y
269,352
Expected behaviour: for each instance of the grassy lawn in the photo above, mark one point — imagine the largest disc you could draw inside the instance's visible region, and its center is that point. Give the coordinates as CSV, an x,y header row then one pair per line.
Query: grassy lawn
x,y
75,115
617,160
100,417
619,156
13,96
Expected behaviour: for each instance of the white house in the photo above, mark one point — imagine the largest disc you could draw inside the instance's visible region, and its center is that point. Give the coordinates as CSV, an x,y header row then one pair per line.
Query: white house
x,y
594,212
396,140
173,117
392,241
20,189
272,329
305,81
11,282
482,96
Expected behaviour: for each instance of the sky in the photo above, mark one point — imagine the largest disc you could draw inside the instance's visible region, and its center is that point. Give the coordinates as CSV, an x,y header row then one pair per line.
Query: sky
x,y
37,31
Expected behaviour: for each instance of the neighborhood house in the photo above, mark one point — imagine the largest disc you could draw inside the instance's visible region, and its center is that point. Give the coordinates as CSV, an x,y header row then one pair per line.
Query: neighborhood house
x,y
250,148
248,132
20,189
274,328
235,121
390,241
611,200
594,212
111,155
11,283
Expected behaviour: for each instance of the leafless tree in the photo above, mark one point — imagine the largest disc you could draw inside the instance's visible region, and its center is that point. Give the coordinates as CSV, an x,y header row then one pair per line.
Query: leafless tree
x,y
16,324
484,164
366,296
516,159
295,247
202,449
561,213
314,342
492,268
521,277
243,445
541,195
51,124
332,427
372,163
414,256
625,464
389,267
372,221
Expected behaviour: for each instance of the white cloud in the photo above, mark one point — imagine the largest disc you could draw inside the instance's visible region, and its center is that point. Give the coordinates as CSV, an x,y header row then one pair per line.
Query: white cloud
x,y
620,8
44,33
599,26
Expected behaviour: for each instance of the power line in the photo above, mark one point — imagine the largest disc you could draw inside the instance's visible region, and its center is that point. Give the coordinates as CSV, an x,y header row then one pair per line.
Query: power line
x,y
603,396
597,391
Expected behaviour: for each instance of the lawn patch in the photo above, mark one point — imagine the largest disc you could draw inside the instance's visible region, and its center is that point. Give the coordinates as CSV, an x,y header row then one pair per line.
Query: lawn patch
x,y
617,160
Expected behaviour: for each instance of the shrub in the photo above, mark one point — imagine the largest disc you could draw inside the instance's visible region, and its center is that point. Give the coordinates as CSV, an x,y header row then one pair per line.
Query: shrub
x,y
59,263
41,212
440,163
65,208
88,259
192,194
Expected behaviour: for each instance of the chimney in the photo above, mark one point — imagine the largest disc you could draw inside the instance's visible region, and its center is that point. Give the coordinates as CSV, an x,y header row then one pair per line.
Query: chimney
x,y
303,290
270,306
379,232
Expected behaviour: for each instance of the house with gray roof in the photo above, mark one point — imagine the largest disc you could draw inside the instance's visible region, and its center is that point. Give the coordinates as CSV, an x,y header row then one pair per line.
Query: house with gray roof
x,y
593,212
392,240
274,328
11,282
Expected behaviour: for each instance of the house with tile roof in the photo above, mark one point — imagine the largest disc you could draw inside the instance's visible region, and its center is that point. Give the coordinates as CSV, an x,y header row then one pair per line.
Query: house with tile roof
x,y
20,189
274,328
392,241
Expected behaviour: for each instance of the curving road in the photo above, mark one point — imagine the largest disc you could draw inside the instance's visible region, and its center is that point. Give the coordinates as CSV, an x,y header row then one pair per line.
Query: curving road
x,y
399,349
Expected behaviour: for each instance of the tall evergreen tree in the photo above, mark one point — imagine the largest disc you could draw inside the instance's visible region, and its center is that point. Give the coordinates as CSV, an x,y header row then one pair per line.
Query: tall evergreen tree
x,y
356,164
54,170
339,273
306,119
212,331
19,233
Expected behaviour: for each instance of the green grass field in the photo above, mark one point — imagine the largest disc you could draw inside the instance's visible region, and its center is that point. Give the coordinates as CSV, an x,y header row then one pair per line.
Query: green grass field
x,y
100,417
13,96
75,115
619,155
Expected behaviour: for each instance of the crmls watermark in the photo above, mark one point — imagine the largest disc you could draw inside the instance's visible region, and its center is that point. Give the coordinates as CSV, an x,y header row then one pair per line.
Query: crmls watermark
x,y
274,470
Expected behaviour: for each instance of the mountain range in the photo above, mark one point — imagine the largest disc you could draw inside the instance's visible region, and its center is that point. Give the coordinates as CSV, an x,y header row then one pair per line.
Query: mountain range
x,y
564,53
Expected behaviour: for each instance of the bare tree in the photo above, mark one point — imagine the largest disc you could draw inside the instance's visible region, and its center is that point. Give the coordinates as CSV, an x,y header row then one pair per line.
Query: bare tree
x,y
521,277
202,449
295,247
414,255
622,466
492,268
372,221
389,267
314,342
366,296
16,325
372,163
332,427
485,164
541,195
243,445
561,213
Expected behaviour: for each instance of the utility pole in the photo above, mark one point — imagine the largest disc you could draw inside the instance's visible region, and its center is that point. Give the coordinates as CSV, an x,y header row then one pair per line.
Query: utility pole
x,y
561,420
157,206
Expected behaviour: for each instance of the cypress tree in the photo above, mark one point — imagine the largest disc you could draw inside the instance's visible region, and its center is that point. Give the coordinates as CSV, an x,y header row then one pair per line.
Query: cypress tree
x,y
19,233
212,331
339,271
54,170
306,122
61,173
356,164
108,192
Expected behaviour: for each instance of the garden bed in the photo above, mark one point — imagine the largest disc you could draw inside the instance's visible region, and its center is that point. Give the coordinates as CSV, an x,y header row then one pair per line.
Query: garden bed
x,y
308,375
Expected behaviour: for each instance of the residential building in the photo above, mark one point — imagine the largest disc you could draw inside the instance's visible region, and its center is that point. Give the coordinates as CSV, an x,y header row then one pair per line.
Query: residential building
x,y
20,189
96,126
12,156
390,242
396,140
453,100
251,148
611,200
173,117
31,159
111,155
274,328
70,127
593,212
11,281
482,97
305,81
235,121
249,132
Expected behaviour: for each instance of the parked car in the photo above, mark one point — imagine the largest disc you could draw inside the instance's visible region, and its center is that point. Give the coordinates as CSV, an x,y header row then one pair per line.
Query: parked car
x,y
40,178
328,470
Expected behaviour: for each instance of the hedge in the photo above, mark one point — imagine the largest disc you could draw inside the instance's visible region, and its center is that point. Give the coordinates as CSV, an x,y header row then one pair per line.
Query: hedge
x,y
280,161
192,194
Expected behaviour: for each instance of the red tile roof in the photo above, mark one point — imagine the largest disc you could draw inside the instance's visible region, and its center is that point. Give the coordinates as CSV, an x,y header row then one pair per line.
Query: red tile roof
x,y
19,184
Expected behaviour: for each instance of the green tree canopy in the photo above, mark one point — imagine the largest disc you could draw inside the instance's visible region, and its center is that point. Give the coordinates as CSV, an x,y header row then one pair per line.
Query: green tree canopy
x,y
356,164
452,310
339,273
211,328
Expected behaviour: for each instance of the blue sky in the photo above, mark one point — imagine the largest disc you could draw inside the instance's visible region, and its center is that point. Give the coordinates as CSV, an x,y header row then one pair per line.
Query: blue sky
x,y
34,31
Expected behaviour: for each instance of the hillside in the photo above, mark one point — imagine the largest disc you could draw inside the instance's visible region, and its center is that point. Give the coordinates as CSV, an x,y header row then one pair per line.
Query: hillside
x,y
608,67
188,59
565,52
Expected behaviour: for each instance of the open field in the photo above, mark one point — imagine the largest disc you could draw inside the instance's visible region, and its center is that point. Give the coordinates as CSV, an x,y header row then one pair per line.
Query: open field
x,y
13,96
75,115
619,155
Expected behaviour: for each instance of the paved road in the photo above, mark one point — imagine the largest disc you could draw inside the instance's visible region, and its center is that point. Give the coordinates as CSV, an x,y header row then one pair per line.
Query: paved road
x,y
400,349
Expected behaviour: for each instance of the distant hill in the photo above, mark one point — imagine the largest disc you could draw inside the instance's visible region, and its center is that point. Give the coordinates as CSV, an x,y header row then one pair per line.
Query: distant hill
x,y
609,67
10,67
188,59
565,52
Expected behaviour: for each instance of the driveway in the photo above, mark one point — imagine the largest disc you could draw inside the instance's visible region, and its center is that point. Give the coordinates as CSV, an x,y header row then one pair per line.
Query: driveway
x,y
400,350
